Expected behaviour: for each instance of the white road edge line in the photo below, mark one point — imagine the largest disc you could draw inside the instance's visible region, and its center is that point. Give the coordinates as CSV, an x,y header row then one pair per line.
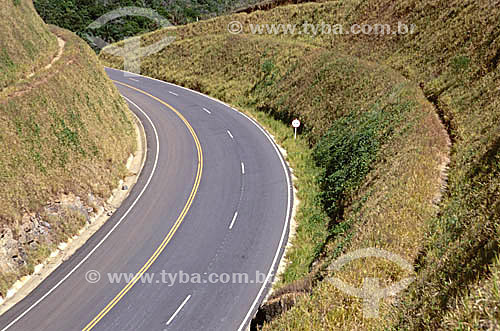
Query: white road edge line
x,y
208,111
283,163
179,309
234,220
107,235
285,227
242,168
173,93
230,134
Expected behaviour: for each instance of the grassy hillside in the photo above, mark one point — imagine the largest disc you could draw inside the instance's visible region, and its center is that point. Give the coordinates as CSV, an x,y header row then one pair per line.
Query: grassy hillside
x,y
65,135
25,45
370,105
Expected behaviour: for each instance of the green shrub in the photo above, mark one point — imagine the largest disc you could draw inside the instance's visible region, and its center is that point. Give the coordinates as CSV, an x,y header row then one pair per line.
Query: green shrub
x,y
345,154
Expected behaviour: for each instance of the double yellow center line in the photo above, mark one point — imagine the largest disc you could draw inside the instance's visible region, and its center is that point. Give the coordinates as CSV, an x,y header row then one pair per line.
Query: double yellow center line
x,y
174,228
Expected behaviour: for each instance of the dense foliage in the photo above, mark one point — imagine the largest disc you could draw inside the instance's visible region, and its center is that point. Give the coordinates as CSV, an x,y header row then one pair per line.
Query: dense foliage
x,y
346,155
77,15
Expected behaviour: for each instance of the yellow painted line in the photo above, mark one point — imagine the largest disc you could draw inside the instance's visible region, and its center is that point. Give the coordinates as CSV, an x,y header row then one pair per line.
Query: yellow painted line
x,y
174,228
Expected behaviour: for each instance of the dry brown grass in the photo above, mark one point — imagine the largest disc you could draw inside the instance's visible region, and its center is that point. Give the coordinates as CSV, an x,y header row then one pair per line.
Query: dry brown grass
x,y
58,139
25,44
65,130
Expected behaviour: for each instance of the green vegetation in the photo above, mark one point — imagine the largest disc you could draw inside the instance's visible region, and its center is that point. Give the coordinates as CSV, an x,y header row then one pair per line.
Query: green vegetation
x,y
347,153
312,230
64,131
77,15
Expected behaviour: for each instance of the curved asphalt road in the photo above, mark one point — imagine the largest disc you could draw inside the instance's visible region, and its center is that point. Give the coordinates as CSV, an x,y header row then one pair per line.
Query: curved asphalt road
x,y
220,207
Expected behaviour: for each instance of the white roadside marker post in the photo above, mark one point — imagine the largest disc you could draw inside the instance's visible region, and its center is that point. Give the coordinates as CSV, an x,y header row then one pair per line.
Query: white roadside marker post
x,y
295,124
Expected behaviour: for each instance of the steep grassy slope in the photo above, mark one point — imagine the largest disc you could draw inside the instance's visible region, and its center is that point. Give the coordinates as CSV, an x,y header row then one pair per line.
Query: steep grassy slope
x,y
370,107
65,135
26,45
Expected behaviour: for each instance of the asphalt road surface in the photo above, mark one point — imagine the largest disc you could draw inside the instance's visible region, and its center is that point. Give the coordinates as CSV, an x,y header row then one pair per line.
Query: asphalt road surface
x,y
202,231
